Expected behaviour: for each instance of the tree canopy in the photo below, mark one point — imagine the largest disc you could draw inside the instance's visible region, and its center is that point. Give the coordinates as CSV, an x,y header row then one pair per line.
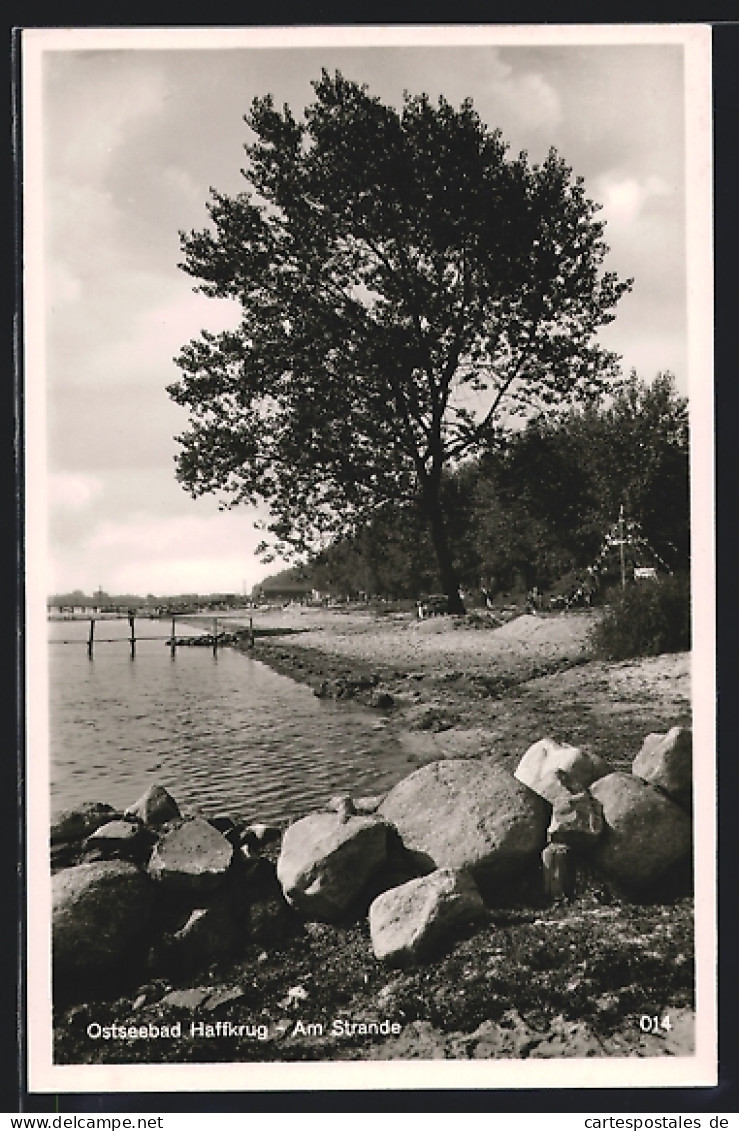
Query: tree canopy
x,y
406,289
537,509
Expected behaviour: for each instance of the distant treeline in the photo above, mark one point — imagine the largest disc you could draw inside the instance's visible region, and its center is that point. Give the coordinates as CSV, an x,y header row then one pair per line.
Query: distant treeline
x,y
538,505
182,602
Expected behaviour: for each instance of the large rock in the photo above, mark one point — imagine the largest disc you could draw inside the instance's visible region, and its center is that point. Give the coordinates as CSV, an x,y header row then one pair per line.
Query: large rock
x,y
666,761
551,768
327,860
193,857
409,921
100,913
75,824
645,833
459,813
127,840
207,935
155,807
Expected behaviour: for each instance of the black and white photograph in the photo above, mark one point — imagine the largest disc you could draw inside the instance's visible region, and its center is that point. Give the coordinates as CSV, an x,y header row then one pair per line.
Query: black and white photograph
x,y
370,695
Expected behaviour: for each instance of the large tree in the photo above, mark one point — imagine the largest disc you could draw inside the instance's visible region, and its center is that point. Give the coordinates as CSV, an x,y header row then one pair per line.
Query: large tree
x,y
406,288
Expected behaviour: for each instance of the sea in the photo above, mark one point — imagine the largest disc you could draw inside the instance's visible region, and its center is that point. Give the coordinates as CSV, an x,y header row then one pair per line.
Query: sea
x,y
223,733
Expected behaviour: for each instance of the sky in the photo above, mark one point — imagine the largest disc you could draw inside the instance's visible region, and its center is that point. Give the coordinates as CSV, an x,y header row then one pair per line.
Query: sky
x,y
125,136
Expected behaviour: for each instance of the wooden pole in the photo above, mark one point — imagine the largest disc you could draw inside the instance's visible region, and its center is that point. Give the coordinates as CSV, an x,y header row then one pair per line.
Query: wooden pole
x,y
621,543
215,636
131,620
251,632
91,638
173,641
557,871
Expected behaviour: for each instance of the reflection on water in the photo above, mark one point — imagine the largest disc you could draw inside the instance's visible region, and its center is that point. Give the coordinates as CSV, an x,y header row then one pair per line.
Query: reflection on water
x,y
224,733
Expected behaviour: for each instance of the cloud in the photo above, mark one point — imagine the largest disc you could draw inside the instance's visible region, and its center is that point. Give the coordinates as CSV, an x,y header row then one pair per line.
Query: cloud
x,y
183,186
625,199
71,491
160,555
82,222
530,100
165,328
99,99
519,100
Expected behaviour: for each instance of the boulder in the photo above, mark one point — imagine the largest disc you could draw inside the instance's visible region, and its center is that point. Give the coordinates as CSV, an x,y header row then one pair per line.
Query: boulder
x,y
666,761
267,915
408,922
193,857
644,832
75,824
549,768
459,813
124,839
155,807
207,935
327,859
577,820
100,915
114,831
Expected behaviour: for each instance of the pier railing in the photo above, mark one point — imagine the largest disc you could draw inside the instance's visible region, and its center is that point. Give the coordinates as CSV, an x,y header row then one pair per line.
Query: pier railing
x,y
215,639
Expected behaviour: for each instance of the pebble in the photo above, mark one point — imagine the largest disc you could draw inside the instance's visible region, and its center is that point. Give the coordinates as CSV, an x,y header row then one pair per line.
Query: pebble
x,y
186,999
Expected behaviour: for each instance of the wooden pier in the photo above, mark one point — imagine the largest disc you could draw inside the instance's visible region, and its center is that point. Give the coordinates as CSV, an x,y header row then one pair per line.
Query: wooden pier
x,y
216,639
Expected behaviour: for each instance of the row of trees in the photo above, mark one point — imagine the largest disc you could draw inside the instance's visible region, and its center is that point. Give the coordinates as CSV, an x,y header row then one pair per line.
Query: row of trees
x,y
538,506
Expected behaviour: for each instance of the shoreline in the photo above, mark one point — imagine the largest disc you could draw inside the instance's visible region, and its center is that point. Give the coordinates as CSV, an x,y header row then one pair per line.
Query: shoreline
x,y
567,979
516,681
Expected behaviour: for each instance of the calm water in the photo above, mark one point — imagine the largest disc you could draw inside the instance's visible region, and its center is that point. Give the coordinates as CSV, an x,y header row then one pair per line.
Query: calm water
x,y
225,733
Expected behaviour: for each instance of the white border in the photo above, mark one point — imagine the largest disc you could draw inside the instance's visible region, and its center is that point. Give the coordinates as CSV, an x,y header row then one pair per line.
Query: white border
x,y
700,1069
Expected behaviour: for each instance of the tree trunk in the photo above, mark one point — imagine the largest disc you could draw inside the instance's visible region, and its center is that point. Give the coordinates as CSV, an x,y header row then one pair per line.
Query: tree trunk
x,y
431,502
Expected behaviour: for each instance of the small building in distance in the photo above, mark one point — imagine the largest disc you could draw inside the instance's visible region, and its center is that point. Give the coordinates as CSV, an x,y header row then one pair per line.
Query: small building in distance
x,y
290,586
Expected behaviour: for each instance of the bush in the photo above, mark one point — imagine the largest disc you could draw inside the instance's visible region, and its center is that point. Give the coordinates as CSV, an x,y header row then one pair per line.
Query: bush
x,y
646,618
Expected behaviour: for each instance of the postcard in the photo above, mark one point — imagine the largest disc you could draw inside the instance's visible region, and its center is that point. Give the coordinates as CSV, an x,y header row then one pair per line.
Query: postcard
x,y
367,375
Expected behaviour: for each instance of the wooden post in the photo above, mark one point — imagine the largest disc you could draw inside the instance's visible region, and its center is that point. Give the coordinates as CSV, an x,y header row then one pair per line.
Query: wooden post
x,y
215,636
173,641
131,619
621,544
558,872
91,638
251,632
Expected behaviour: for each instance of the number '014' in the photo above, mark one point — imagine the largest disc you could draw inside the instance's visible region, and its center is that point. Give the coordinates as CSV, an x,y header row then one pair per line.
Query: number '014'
x,y
653,1024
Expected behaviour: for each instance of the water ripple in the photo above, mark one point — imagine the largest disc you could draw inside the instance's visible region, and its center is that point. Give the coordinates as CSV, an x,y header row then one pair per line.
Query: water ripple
x,y
223,733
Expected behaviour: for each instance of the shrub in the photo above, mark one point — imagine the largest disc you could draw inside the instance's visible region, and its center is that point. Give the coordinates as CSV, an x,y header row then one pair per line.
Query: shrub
x,y
645,619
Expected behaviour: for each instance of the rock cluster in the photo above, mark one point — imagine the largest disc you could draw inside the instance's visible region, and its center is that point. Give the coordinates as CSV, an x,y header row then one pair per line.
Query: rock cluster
x,y
632,827
153,889
362,688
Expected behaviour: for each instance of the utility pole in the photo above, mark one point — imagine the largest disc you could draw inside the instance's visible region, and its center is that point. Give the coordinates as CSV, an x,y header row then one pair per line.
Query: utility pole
x,y
621,545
